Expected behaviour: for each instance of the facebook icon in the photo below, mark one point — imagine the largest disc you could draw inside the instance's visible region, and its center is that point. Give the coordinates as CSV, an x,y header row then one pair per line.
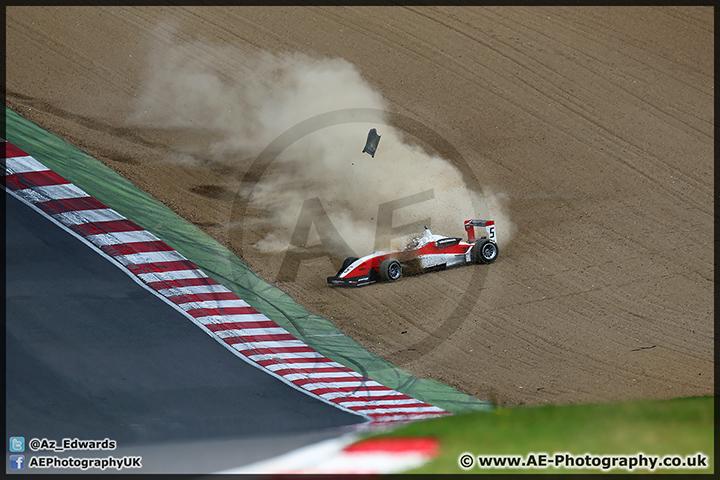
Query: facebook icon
x,y
17,462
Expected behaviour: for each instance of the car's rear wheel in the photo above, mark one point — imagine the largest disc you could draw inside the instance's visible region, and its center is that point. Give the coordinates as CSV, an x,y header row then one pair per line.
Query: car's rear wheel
x,y
390,270
484,251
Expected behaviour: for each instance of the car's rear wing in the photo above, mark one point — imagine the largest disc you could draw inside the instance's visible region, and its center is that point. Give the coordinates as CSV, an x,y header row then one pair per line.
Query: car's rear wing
x,y
489,227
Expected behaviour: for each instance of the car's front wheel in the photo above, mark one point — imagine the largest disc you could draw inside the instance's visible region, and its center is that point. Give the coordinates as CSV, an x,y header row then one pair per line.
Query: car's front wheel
x,y
484,252
390,270
348,261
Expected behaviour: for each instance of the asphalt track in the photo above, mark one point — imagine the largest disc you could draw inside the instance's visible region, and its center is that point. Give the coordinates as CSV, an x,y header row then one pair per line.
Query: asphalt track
x,y
91,354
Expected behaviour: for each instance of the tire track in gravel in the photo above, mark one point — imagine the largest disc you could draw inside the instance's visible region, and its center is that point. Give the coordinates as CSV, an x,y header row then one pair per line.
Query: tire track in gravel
x,y
126,133
625,40
662,74
578,110
641,101
76,58
685,14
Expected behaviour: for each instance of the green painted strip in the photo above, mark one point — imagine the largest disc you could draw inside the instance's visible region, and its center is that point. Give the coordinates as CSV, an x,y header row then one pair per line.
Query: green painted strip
x,y
222,265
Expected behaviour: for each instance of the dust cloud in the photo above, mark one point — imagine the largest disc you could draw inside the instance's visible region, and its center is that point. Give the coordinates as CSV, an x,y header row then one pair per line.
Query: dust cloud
x,y
243,99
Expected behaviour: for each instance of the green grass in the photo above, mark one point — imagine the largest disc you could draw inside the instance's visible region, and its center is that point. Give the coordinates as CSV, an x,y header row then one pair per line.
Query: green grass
x,y
683,426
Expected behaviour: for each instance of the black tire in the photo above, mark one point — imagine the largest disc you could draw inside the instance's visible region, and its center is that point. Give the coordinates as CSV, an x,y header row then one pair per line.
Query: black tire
x,y
390,270
484,251
347,262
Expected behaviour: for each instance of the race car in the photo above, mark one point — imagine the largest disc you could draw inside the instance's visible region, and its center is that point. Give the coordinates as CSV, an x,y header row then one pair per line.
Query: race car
x,y
425,253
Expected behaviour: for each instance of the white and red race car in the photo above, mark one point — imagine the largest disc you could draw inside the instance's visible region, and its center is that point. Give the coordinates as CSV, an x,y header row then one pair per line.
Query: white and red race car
x,y
425,253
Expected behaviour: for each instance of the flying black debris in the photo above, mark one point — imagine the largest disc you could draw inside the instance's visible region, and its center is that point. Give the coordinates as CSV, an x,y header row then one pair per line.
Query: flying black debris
x,y
372,142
